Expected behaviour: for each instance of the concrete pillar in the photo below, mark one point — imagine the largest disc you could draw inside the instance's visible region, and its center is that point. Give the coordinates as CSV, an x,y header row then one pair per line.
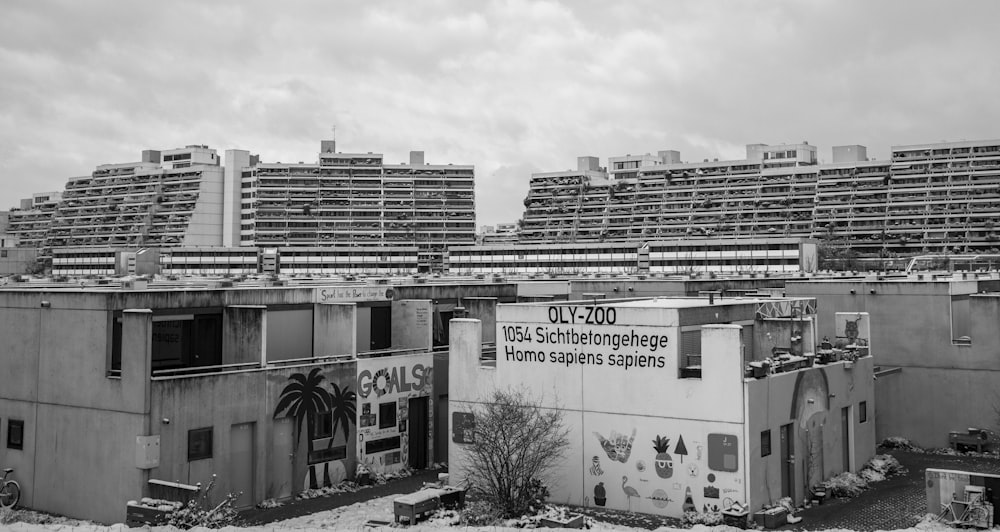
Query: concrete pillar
x,y
244,334
335,330
483,309
137,358
464,380
722,355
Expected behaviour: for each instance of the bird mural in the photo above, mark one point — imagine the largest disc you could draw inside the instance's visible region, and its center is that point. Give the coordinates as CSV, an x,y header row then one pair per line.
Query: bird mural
x,y
629,492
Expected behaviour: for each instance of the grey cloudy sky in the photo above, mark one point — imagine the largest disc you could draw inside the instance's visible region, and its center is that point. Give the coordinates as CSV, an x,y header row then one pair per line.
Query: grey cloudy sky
x,y
511,86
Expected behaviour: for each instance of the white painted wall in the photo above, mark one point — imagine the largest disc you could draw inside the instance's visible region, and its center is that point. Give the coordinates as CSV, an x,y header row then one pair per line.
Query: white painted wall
x,y
383,380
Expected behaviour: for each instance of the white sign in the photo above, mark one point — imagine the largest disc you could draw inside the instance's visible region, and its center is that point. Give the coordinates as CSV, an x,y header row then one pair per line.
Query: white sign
x,y
349,294
584,336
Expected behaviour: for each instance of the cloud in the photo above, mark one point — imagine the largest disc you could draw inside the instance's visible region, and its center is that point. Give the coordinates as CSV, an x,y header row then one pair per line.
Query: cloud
x,y
512,86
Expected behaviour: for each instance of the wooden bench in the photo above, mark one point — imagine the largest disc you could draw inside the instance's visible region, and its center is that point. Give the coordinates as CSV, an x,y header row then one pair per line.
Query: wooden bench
x,y
415,506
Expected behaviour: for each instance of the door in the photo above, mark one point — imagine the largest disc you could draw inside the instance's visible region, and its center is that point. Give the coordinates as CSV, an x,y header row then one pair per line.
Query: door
x,y
241,463
417,425
206,336
281,461
381,328
845,433
787,460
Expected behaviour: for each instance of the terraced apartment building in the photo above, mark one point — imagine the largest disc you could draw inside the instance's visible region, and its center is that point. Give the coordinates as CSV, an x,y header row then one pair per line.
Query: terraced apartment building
x,y
171,198
31,219
926,198
186,198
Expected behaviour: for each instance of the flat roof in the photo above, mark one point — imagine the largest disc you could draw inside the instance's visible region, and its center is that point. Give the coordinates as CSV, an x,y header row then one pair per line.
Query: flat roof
x,y
697,302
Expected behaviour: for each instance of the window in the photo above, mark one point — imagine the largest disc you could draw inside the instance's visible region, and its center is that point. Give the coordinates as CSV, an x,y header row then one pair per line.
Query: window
x,y
863,412
323,425
199,444
386,415
379,446
765,443
689,356
3,253
15,434
960,320
327,454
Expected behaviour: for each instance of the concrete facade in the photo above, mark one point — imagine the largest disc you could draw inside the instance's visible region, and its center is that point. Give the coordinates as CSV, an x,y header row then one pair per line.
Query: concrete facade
x,y
935,334
113,388
657,394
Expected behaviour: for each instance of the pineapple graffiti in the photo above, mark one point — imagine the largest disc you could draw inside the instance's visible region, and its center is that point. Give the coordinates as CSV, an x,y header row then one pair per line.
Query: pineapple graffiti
x,y
664,463
617,446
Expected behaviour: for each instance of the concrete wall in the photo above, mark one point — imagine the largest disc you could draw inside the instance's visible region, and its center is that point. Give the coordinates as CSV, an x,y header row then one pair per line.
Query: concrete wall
x,y
615,406
220,401
911,329
412,324
811,400
205,227
80,425
14,261
483,309
244,337
335,329
290,333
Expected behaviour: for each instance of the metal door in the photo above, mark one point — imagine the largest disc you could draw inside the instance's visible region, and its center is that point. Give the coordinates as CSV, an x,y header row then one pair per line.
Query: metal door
x,y
787,460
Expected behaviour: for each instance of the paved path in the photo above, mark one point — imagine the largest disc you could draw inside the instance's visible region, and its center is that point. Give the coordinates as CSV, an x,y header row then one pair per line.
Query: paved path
x,y
294,508
896,503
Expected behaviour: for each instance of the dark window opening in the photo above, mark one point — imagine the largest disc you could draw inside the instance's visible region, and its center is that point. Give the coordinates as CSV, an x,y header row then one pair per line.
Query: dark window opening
x,y
199,444
765,443
863,412
181,341
386,415
323,425
385,444
328,454
15,434
689,357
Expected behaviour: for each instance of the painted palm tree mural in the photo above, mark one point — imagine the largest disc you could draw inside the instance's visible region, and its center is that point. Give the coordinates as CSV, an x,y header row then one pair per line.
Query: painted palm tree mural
x,y
343,404
303,399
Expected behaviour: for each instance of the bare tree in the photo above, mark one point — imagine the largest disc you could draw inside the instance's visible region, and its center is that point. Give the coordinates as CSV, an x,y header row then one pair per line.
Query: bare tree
x,y
517,446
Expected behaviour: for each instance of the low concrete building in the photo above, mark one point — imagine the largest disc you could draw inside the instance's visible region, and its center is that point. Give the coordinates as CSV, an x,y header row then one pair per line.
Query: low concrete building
x,y
937,339
273,389
667,402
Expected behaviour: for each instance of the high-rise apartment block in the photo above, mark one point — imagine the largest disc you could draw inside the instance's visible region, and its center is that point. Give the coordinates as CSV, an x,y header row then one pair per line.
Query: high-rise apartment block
x,y
926,198
356,199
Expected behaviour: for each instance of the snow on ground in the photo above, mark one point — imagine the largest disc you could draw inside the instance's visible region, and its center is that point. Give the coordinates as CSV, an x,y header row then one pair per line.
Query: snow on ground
x,y
353,517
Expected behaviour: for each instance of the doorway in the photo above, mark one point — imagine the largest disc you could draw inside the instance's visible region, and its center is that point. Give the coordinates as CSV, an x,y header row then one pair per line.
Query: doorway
x,y
845,434
787,461
241,459
417,425
381,328
281,471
